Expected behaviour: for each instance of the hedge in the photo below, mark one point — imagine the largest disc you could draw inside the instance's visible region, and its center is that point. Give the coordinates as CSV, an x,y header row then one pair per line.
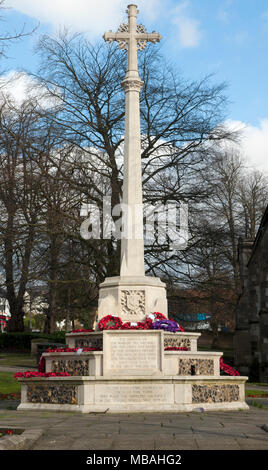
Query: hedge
x,y
22,341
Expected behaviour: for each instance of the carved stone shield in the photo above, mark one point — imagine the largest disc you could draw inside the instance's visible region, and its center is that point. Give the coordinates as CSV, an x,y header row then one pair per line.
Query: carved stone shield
x,y
133,304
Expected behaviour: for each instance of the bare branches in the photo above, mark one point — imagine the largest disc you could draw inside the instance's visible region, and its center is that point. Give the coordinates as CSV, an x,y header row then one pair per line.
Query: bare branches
x,y
7,38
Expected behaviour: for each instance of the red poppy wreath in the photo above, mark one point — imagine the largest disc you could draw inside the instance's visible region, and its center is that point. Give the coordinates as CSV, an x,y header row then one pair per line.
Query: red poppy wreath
x,y
110,323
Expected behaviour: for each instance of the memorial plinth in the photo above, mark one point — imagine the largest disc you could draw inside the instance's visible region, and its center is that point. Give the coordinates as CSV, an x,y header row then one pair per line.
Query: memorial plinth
x,y
134,373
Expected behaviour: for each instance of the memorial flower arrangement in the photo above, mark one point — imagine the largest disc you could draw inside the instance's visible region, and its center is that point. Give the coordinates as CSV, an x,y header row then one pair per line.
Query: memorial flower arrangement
x,y
29,374
110,323
10,396
156,316
8,432
42,364
82,331
166,325
73,349
227,369
135,326
154,320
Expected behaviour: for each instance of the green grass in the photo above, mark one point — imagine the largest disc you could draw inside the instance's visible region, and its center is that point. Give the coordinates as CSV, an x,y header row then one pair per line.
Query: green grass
x,y
255,392
8,384
17,360
257,405
258,383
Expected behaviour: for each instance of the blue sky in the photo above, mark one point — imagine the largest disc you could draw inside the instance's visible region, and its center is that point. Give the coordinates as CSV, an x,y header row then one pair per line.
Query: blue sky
x,y
226,37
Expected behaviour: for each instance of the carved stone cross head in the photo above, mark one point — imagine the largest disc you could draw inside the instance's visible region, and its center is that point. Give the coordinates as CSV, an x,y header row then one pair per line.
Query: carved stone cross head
x,y
132,35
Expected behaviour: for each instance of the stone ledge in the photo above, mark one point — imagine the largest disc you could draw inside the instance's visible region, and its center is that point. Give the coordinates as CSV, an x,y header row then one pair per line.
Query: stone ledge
x,y
23,441
165,379
139,408
195,354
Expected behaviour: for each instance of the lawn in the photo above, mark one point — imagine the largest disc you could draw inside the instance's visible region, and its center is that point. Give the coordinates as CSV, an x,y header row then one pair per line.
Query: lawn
x,y
257,393
17,360
8,384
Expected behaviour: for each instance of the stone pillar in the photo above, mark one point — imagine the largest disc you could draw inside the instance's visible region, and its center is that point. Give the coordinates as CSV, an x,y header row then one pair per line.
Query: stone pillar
x,y
132,295
132,242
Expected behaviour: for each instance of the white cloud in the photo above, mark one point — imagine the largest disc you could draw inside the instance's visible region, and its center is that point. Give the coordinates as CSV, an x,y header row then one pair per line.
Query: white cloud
x,y
92,16
188,29
20,87
254,143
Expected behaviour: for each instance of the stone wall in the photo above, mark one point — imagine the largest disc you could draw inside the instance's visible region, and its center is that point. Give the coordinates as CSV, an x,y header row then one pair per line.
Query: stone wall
x,y
211,393
133,394
201,366
53,394
72,366
175,341
88,342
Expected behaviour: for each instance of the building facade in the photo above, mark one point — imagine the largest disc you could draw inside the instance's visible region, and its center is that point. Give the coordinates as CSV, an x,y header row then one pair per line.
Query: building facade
x,y
251,331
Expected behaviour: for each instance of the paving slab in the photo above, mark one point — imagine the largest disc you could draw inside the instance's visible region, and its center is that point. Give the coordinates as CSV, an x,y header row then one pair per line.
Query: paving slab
x,y
92,444
213,430
133,443
217,443
252,444
178,443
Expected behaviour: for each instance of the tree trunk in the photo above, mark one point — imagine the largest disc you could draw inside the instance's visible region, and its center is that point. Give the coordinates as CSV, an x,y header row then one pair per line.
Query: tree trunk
x,y
16,324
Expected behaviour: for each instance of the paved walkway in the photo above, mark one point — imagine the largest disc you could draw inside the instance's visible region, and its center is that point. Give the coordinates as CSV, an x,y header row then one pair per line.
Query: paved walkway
x,y
240,430
16,369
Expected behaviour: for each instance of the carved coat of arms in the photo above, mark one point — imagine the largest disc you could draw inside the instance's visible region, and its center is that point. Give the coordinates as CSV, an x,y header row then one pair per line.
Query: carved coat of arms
x,y
133,303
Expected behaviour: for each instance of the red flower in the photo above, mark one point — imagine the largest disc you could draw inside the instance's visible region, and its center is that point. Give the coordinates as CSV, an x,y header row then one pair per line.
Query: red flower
x,y
138,326
228,369
159,316
30,374
42,364
110,323
149,323
82,331
72,349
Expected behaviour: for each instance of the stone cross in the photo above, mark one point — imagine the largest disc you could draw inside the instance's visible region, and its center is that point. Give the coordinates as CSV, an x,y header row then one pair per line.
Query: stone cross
x,y
132,37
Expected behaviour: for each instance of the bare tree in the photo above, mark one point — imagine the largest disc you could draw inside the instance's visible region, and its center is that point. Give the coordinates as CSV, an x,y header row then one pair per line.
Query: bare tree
x,y
6,37
180,124
19,203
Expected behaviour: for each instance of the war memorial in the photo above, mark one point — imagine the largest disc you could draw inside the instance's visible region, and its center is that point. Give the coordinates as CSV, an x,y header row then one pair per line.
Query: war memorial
x,y
137,360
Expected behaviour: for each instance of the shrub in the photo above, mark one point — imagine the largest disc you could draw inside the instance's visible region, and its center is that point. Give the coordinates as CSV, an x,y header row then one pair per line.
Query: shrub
x,y
22,341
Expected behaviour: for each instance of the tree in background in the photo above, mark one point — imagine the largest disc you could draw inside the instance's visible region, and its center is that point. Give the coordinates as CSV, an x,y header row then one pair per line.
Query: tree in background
x,y
71,152
6,38
19,203
181,122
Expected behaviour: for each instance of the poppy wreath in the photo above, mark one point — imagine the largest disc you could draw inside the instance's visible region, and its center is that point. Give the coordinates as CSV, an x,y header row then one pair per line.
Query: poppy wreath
x,y
42,364
135,326
179,326
31,373
156,316
82,331
227,369
167,325
72,349
110,323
